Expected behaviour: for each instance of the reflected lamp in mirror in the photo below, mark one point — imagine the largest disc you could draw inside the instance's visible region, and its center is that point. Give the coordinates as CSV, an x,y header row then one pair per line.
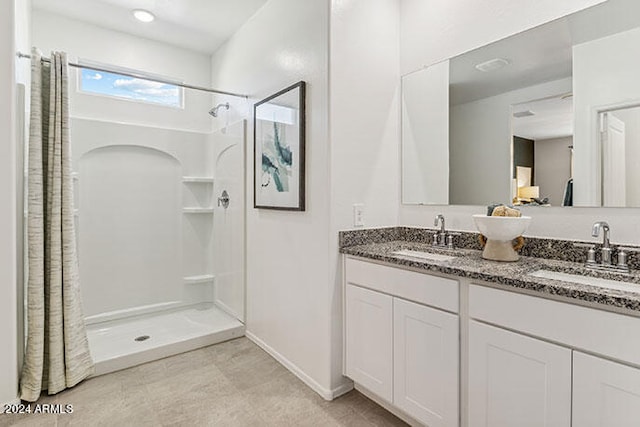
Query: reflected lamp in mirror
x,y
526,194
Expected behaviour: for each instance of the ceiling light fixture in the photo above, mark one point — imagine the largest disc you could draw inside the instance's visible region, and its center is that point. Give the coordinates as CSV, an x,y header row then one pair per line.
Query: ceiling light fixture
x,y
143,15
521,114
492,65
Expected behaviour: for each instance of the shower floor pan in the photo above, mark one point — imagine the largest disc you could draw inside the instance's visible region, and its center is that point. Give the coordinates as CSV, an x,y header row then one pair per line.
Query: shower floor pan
x,y
120,344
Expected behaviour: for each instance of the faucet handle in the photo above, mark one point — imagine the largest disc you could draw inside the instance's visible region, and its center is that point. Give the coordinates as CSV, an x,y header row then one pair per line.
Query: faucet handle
x,y
450,236
622,258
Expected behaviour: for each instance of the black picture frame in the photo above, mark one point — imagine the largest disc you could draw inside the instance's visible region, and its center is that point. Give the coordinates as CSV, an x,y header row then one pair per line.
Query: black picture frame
x,y
279,150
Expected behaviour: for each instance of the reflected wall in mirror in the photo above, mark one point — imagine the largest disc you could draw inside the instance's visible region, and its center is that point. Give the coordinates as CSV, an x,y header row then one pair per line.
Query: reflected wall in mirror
x,y
547,89
425,166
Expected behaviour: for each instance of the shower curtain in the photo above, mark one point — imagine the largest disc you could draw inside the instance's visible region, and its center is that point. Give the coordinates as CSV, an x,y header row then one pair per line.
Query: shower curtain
x,y
57,350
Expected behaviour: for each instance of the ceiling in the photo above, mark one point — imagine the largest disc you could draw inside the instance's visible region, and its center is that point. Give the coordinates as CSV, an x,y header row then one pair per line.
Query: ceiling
x,y
199,25
552,118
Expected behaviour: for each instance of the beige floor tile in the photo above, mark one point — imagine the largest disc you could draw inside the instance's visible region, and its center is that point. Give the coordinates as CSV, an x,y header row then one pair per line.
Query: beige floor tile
x,y
234,384
247,375
354,420
28,420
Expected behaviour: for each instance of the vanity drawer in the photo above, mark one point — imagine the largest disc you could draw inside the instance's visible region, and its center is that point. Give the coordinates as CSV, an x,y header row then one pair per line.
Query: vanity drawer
x,y
609,334
422,288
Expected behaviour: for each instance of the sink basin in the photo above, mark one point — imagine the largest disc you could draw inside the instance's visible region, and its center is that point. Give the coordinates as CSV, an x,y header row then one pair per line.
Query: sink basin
x,y
428,256
587,280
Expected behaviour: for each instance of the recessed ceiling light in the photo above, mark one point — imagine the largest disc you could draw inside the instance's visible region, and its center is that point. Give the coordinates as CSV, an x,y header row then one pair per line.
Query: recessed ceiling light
x,y
143,15
526,113
492,65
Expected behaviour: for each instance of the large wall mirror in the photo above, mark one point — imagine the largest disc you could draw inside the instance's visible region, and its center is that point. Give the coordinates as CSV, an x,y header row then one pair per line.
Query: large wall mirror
x,y
548,117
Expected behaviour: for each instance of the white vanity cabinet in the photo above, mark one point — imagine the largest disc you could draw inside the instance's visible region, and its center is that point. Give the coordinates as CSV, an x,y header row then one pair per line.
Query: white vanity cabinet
x,y
515,380
605,393
402,339
528,363
426,363
369,340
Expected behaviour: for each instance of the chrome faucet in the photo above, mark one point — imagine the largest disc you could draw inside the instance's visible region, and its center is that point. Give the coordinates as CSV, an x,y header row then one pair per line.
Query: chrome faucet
x,y
606,263
439,239
606,246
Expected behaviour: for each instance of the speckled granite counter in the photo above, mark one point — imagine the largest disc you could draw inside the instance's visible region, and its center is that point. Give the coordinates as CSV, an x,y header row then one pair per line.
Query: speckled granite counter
x,y
469,264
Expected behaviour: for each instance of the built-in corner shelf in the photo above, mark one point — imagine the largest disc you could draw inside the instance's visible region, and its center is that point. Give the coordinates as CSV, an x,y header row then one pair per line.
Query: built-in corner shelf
x,y
195,280
197,210
198,179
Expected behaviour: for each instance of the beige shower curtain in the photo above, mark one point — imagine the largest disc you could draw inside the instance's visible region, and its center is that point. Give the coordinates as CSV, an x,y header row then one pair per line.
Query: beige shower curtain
x,y
57,351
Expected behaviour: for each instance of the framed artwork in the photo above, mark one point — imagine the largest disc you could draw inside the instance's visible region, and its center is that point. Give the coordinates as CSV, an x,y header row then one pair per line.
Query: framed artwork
x,y
278,148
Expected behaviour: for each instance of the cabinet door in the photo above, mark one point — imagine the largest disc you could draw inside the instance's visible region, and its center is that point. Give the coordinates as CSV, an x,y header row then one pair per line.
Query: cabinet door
x,y
426,363
605,393
515,380
369,341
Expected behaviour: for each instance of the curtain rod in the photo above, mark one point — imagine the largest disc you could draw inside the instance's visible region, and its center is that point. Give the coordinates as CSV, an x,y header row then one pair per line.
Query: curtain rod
x,y
141,76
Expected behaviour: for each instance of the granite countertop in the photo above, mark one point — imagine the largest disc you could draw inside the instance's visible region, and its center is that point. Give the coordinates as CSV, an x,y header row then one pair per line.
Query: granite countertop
x,y
469,264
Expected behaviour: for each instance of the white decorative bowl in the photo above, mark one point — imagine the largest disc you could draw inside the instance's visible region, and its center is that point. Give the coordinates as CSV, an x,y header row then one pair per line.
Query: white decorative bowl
x,y
500,232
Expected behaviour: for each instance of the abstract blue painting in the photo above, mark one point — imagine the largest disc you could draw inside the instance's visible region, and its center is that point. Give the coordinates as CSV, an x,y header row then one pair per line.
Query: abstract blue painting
x,y
279,142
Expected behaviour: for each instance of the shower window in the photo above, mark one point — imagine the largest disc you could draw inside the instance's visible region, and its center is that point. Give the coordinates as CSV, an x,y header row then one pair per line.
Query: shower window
x,y
138,89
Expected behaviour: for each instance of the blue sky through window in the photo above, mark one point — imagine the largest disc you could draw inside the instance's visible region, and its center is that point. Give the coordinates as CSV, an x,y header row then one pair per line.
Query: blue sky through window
x,y
136,89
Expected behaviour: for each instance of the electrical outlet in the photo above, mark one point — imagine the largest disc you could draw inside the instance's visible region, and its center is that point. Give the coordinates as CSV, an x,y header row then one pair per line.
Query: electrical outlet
x,y
358,215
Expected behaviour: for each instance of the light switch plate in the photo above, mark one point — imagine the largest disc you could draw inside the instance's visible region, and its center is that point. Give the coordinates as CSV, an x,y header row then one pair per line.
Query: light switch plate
x,y
358,215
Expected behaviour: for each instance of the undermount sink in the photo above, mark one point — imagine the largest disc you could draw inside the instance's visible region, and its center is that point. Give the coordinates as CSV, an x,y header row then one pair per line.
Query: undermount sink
x,y
587,280
428,256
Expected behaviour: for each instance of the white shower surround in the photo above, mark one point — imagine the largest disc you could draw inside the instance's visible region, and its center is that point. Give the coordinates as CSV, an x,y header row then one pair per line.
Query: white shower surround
x,y
147,216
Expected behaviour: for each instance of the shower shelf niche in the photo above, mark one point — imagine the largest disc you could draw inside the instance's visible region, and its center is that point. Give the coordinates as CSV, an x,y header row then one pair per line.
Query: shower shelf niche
x,y
195,280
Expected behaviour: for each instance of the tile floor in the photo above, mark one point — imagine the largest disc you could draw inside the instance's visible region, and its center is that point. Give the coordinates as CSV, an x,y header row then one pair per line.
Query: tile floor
x,y
230,384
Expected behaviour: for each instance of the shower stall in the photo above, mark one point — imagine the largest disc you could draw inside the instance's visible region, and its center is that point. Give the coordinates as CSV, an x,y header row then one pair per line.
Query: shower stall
x,y
160,259
159,209
158,161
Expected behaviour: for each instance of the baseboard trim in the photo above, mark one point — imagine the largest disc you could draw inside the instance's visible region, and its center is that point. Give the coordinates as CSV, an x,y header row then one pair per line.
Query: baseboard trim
x,y
325,393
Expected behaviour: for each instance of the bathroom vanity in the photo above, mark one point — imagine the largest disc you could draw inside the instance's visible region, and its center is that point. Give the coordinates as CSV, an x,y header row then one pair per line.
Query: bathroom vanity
x,y
453,339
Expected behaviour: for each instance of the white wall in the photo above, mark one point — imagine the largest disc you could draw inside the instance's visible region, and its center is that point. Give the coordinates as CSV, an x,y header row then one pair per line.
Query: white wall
x,y
438,29
604,77
552,159
365,129
480,144
425,135
8,208
435,30
288,291
88,42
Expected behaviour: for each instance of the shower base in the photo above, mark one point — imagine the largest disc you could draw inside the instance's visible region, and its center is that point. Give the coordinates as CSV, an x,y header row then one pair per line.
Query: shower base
x,y
120,344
